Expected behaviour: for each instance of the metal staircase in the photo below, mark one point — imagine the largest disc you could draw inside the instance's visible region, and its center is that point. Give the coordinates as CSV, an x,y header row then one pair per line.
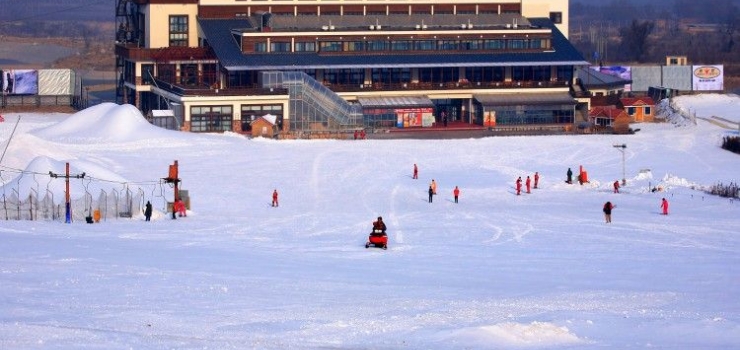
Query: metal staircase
x,y
313,106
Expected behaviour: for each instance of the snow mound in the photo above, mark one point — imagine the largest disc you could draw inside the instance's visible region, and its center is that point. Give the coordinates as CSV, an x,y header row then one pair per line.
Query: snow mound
x,y
512,334
103,123
36,177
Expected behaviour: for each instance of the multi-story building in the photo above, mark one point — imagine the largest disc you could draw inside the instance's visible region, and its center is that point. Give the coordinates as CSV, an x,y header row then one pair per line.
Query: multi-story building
x,y
342,64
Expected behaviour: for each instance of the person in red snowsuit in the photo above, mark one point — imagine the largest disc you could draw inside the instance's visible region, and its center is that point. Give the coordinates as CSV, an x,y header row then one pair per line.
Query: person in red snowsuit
x,y
274,198
456,193
616,186
519,186
180,208
416,172
664,206
528,183
536,179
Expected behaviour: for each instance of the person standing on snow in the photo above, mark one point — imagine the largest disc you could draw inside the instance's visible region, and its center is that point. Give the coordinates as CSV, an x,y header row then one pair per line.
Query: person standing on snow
x,y
616,186
528,183
536,179
275,198
456,193
431,193
180,206
608,206
434,187
148,211
664,206
519,186
416,172
569,175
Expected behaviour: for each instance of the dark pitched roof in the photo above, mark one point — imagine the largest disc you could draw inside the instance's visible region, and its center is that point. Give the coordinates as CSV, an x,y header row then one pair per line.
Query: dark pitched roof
x,y
594,79
218,32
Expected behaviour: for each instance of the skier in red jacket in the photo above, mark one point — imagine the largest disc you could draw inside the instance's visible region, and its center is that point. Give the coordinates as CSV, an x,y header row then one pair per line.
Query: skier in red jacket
x,y
519,186
528,183
664,206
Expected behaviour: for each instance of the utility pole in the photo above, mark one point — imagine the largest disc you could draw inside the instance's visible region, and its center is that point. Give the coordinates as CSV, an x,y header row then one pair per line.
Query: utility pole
x,y
67,200
621,149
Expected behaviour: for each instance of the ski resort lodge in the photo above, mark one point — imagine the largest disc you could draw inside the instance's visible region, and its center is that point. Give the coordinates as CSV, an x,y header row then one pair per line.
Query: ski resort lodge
x,y
340,65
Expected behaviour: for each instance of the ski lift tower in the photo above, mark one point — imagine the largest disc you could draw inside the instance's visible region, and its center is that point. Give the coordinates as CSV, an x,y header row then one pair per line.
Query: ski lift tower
x,y
173,179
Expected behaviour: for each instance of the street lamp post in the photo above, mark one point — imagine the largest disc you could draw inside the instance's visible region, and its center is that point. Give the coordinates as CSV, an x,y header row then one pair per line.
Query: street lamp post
x,y
621,149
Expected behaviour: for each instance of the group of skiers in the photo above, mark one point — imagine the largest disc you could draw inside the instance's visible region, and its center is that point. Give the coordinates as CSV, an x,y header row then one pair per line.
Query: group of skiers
x,y
527,183
432,191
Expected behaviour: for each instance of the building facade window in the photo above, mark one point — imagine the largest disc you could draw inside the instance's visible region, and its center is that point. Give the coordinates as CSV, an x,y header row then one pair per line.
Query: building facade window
x,y
305,46
178,30
279,47
211,118
251,112
556,17
330,46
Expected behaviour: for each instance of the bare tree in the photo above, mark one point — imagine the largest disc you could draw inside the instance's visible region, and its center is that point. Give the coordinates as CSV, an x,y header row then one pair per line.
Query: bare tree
x,y
635,39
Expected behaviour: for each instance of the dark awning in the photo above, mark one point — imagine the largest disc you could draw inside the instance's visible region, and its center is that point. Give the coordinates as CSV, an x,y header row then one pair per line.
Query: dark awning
x,y
562,98
395,102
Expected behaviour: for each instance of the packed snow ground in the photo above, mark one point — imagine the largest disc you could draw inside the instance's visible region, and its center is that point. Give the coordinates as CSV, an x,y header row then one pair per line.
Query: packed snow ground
x,y
496,271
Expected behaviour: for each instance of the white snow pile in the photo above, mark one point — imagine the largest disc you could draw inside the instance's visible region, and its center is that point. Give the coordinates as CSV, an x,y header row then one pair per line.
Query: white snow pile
x,y
103,123
513,334
36,177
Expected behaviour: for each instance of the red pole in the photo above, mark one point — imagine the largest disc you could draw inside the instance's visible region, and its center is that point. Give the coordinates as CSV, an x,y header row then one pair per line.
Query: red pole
x,y
177,179
68,204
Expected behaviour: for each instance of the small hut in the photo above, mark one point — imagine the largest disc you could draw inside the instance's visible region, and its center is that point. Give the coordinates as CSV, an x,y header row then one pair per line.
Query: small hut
x,y
265,126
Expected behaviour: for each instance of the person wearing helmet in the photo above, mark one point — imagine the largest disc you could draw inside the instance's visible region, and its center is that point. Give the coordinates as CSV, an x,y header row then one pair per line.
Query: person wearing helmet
x,y
379,225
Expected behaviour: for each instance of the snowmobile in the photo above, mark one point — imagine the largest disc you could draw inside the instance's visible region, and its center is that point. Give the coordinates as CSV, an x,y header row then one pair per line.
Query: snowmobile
x,y
378,239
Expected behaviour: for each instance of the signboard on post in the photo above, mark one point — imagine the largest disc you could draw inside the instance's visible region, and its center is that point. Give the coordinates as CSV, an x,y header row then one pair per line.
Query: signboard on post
x,y
708,78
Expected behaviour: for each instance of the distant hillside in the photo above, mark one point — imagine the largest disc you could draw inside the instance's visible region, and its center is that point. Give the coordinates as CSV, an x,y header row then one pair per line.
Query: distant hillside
x,y
56,10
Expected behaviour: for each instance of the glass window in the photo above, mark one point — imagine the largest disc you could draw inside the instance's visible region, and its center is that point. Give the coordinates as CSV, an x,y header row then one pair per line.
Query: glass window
x,y
495,44
147,73
401,45
448,45
647,110
517,44
377,45
354,46
251,112
305,46
210,118
424,45
260,47
178,30
330,46
556,17
279,47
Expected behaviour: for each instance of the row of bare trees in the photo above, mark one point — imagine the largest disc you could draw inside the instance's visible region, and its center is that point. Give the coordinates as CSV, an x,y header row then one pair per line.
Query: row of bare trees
x,y
624,32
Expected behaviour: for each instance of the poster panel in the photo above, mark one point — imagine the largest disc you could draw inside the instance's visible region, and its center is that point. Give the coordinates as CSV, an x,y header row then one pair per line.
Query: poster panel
x,y
413,117
20,82
624,72
708,78
54,82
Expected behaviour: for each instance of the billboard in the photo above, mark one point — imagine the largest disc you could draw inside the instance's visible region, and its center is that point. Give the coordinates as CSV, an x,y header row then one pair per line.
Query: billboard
x,y
624,72
708,78
56,82
19,81
414,117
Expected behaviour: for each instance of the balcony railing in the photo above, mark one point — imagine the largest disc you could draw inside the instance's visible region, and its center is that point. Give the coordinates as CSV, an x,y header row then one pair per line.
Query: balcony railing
x,y
188,90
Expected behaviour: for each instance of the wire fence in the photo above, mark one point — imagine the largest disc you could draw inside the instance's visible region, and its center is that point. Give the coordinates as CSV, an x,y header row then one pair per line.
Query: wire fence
x,y
107,205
